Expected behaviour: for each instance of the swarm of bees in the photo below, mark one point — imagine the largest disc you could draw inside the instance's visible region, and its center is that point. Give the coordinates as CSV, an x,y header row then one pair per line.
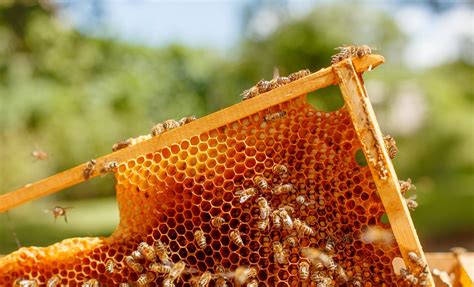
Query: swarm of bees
x,y
264,86
347,52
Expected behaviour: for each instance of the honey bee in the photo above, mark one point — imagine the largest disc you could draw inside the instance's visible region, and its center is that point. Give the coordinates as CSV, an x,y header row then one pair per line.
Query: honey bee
x,y
147,251
242,274
121,145
162,251
303,270
170,124
341,275
262,224
263,86
217,221
355,282
108,167
132,264
220,277
157,129
375,234
91,283
290,241
264,208
330,246
288,208
301,199
276,219
246,194
299,74
408,277
200,238
203,280
249,93
417,259
363,50
274,116
253,283
317,256
279,253
25,283
53,281
168,282
59,211
186,120
283,80
236,238
145,279
286,219
303,228
391,146
280,169
125,285
283,188
261,182
137,255
110,266
39,154
89,169
221,282
159,268
411,202
321,279
349,52
176,270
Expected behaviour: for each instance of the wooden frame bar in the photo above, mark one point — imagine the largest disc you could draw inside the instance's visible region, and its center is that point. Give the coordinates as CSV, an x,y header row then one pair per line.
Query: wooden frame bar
x,y
370,135
320,79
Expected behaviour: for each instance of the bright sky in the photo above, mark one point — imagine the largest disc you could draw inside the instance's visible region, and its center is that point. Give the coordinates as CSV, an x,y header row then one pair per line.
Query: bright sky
x,y
434,37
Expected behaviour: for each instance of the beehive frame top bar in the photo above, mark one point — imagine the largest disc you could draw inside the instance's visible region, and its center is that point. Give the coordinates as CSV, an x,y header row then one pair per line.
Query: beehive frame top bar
x,y
320,79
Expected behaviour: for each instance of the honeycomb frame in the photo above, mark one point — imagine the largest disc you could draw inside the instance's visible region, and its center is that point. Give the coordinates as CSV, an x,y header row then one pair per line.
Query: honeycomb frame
x,y
200,151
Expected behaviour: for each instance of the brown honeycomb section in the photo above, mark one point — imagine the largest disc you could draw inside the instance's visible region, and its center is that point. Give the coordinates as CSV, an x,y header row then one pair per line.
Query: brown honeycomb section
x,y
169,194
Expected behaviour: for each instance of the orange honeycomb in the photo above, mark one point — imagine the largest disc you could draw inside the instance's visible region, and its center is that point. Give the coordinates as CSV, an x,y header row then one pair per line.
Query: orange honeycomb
x,y
171,193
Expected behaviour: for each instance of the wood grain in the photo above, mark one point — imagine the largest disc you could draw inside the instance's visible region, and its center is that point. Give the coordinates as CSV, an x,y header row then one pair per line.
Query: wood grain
x,y
370,135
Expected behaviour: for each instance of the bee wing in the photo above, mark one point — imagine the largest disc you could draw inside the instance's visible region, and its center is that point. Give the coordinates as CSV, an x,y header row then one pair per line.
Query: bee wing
x,y
413,197
244,198
46,210
191,271
276,73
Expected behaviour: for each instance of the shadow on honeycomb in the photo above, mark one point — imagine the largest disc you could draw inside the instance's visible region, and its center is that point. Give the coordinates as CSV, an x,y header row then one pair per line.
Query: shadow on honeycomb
x,y
170,194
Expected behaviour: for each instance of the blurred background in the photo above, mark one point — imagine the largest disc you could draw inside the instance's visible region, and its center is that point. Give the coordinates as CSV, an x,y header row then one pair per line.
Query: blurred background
x,y
78,76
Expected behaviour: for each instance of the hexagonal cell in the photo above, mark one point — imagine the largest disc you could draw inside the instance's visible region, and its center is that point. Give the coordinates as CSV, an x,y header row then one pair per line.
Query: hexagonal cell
x,y
169,194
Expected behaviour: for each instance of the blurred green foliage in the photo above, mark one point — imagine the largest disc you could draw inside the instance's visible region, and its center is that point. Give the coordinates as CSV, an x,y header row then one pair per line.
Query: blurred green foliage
x,y
74,96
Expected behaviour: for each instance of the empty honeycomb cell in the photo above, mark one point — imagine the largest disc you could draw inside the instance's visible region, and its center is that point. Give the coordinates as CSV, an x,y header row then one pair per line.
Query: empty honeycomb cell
x,y
182,186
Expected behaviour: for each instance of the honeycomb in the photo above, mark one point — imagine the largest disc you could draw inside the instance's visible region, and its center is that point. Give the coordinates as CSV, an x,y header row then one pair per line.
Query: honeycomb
x,y
170,194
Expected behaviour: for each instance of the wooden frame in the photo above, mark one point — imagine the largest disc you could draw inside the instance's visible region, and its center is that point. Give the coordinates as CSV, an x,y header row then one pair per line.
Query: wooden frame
x,y
347,74
383,172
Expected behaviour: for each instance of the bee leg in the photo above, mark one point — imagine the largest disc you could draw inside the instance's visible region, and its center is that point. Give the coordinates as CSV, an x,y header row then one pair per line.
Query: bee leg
x,y
65,218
